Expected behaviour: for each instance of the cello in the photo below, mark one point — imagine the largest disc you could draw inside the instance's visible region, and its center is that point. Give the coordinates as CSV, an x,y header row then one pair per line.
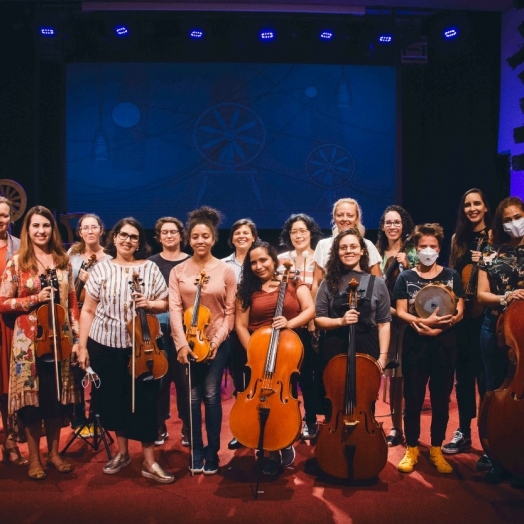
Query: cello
x,y
266,415
147,361
79,284
351,444
501,417
52,342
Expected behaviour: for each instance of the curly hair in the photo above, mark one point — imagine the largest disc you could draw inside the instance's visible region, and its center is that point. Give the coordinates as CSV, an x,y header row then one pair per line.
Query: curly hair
x,y
237,225
171,220
250,283
207,216
463,231
498,235
142,251
429,229
80,247
407,226
334,266
311,225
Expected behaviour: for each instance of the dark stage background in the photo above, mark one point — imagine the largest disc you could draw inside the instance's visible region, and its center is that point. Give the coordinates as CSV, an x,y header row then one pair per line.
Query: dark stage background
x,y
446,122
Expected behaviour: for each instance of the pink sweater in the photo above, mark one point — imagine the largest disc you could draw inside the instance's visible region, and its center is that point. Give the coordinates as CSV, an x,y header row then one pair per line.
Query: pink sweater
x,y
218,295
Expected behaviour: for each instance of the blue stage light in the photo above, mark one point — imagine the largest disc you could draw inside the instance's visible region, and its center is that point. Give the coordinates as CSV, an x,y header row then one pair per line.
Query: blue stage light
x,y
385,39
450,33
47,31
121,30
196,33
326,35
267,34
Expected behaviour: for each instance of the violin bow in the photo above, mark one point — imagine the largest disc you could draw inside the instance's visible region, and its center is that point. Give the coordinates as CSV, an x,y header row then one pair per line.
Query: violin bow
x,y
53,323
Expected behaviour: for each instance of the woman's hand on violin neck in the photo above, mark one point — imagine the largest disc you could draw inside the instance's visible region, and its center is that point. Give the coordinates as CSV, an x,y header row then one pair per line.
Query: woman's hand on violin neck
x,y
183,353
140,300
402,258
83,275
350,317
45,294
475,256
279,322
81,355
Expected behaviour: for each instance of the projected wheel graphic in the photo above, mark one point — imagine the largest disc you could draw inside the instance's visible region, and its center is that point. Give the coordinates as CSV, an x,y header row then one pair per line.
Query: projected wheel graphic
x,y
16,194
330,166
229,135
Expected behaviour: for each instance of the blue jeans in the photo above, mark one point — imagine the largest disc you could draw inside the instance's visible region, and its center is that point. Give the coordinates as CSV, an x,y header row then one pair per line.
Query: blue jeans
x,y
206,380
495,359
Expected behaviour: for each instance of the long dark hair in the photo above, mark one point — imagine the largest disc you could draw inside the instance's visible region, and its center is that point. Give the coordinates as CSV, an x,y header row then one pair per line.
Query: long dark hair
x,y
143,249
250,283
334,266
311,225
407,226
498,235
463,232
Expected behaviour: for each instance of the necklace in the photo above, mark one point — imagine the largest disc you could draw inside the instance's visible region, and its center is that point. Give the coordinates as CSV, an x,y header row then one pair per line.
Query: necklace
x,y
43,265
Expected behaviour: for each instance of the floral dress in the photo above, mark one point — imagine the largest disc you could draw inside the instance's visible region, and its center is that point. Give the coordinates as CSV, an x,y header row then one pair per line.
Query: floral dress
x,y
19,293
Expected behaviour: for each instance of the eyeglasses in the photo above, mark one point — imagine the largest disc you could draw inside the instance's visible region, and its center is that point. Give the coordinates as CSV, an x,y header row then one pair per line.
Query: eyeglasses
x,y
353,248
125,236
296,232
172,232
89,228
392,223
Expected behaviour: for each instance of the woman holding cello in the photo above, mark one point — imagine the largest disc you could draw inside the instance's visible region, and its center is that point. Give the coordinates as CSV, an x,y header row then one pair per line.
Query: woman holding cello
x,y
202,289
106,343
397,253
258,294
37,392
83,256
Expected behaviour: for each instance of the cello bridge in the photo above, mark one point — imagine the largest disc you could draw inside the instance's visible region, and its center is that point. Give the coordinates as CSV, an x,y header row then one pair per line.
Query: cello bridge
x,y
266,392
350,423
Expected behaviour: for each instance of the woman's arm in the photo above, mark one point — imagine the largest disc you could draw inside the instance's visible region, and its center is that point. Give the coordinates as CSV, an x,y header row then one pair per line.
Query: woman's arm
x,y
241,324
307,311
87,316
384,334
318,276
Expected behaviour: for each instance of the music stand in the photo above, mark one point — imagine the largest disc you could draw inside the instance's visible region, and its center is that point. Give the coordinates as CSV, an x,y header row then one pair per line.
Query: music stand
x,y
99,433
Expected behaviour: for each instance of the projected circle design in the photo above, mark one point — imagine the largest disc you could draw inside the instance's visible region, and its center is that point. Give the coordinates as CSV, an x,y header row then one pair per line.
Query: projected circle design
x,y
229,135
330,166
126,115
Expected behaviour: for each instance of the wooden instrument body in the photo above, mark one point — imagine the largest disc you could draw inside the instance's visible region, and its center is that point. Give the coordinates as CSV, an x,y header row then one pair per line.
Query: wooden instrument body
x,y
352,446
195,330
501,418
273,392
79,284
472,307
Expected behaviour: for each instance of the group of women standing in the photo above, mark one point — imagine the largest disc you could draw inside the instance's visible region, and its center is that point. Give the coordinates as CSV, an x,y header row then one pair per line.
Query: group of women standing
x,y
241,293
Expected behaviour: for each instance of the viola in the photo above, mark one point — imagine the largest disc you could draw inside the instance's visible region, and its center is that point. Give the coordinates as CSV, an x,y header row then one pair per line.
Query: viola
x,y
392,268
148,361
501,417
351,444
266,416
472,307
52,342
79,284
196,321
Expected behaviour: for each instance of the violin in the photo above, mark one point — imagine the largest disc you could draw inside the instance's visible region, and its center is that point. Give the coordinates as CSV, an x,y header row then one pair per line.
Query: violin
x,y
472,307
501,416
392,269
351,444
52,342
147,361
79,284
266,415
196,321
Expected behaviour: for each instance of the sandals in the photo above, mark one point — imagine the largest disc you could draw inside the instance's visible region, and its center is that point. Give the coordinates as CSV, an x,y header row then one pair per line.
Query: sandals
x,y
36,472
61,467
13,455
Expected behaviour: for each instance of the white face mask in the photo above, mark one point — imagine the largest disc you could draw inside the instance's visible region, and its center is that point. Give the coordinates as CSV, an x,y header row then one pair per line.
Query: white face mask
x,y
515,228
428,256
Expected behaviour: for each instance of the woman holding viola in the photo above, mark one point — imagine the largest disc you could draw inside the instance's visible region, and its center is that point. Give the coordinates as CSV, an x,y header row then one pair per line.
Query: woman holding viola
x,y
106,344
33,381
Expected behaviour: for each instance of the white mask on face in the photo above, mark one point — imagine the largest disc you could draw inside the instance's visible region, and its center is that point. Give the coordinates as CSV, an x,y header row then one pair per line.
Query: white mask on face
x,y
428,256
515,228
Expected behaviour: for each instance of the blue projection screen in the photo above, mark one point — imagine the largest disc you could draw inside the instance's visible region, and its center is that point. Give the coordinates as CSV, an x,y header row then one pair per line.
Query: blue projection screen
x,y
253,140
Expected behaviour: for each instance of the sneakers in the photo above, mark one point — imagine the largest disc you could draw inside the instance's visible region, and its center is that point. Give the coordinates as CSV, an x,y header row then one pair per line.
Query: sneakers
x,y
163,435
272,466
118,462
407,464
185,437
438,460
197,466
394,438
484,463
459,443
211,466
309,431
288,456
156,472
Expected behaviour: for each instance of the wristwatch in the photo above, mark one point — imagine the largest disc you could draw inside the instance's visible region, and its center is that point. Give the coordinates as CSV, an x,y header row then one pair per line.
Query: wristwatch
x,y
503,302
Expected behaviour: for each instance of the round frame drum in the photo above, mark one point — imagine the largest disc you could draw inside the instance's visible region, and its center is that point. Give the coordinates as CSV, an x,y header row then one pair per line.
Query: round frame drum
x,y
435,295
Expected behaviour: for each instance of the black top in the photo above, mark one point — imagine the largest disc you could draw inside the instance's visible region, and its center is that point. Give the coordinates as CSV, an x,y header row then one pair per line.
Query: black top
x,y
166,266
475,239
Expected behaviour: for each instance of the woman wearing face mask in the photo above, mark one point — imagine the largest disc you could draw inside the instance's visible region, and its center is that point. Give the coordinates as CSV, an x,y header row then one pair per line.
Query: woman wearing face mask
x,y
429,347
499,284
471,236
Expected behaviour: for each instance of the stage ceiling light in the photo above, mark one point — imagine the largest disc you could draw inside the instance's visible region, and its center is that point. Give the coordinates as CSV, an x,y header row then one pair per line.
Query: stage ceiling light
x,y
47,31
121,30
450,33
518,135
326,35
196,34
516,59
385,38
267,35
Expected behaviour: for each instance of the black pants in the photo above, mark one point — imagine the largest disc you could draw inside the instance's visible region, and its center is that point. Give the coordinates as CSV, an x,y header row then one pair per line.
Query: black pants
x,y
310,378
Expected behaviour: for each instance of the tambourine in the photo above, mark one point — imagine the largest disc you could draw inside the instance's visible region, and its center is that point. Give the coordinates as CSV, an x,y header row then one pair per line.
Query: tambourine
x,y
435,295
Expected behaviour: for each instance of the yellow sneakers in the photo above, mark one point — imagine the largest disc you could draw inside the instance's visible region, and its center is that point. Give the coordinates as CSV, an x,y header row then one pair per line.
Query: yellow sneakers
x,y
407,464
438,460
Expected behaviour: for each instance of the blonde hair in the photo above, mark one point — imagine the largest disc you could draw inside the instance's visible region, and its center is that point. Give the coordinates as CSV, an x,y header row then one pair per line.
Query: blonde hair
x,y
358,224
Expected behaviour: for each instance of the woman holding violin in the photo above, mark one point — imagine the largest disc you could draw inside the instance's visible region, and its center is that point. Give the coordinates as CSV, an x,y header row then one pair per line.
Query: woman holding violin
x,y
83,256
106,344
398,253
8,246
41,381
300,235
500,283
257,296
467,243
429,345
201,308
